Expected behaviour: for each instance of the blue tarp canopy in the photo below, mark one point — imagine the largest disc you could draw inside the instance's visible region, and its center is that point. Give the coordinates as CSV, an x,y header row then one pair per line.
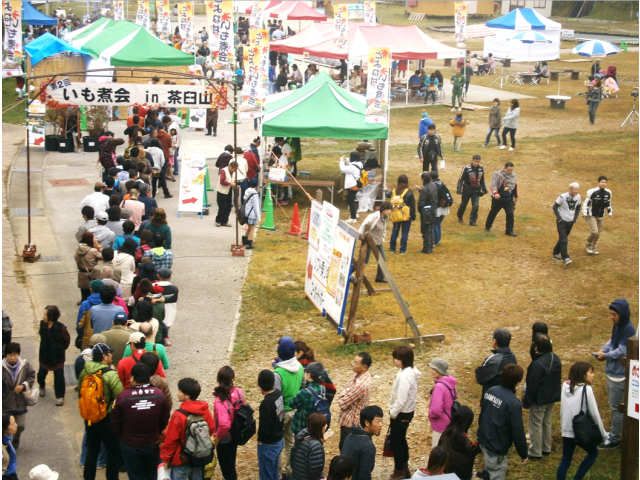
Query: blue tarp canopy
x,y
31,16
46,45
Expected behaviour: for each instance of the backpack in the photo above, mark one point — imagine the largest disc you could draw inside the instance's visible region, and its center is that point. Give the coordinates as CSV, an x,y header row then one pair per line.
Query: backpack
x,y
363,179
243,216
444,197
92,404
400,212
321,404
244,425
105,156
197,449
428,213
455,406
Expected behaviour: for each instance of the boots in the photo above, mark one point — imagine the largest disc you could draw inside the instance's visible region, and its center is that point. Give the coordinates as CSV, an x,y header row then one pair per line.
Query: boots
x,y
397,475
249,244
406,471
214,133
244,240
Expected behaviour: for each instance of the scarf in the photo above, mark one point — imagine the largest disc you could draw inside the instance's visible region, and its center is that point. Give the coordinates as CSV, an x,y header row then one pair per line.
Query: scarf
x,y
13,464
509,179
14,370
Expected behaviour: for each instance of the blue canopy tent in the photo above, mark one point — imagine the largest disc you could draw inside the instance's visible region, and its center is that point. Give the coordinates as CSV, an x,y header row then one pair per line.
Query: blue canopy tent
x,y
31,16
47,45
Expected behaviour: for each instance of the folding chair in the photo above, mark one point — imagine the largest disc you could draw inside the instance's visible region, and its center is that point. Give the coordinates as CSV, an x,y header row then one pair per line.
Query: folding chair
x,y
517,80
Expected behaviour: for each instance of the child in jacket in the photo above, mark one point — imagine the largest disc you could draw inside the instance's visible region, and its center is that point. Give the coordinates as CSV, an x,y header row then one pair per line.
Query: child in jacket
x,y
458,127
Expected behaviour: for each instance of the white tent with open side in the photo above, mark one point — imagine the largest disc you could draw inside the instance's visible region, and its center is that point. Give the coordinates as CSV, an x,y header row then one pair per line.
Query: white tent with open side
x,y
517,21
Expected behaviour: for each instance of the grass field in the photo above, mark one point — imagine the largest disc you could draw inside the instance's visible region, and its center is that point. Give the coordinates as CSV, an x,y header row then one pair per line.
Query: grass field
x,y
475,282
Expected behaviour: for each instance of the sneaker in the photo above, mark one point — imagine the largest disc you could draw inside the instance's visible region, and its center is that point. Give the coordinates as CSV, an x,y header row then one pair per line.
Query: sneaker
x,y
473,224
483,474
511,149
357,215
589,251
392,251
458,150
487,229
608,445
218,224
453,109
557,257
402,253
283,202
227,225
42,392
567,261
502,147
59,402
595,252
484,145
167,342
459,109
351,220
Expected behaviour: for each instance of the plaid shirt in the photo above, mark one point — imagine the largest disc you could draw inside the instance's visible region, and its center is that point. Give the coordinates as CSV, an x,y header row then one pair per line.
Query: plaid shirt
x,y
303,404
160,261
353,398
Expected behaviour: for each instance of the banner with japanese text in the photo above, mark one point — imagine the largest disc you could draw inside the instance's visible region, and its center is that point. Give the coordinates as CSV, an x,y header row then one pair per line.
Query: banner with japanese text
x,y
460,18
378,84
118,10
185,24
253,91
163,25
257,15
370,12
114,94
222,41
340,26
142,15
12,17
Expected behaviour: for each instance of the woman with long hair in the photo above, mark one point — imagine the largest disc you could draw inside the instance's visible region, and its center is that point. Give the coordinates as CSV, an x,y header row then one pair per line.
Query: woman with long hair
x,y
54,340
577,394
115,222
9,462
158,224
87,255
404,212
307,454
124,259
594,97
437,465
228,398
402,404
459,447
510,121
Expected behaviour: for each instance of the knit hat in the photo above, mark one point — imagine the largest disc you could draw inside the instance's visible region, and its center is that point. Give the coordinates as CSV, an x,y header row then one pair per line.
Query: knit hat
x,y
96,286
286,350
440,365
164,272
425,114
96,339
315,369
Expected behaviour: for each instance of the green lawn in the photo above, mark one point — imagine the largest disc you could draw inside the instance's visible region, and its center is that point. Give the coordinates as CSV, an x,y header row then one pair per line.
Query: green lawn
x,y
9,98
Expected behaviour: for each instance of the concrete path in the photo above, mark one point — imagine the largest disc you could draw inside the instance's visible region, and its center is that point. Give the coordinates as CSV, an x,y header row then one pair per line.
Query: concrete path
x,y
208,277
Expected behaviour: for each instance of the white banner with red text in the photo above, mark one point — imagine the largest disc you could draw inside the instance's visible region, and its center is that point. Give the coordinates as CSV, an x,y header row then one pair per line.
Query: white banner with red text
x,y
12,18
378,84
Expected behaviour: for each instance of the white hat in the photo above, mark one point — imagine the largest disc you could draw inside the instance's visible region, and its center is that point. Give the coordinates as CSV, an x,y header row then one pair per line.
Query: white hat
x,y
42,472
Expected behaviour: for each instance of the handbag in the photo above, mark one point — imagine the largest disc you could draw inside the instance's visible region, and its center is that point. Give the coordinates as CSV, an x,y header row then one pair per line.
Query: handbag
x,y
387,450
31,395
586,432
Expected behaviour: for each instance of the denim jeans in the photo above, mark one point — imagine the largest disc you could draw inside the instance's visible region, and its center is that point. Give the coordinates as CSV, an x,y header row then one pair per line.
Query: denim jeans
x,y
379,274
568,447
615,393
397,227
512,134
437,230
593,106
427,237
102,456
268,458
141,462
186,472
495,131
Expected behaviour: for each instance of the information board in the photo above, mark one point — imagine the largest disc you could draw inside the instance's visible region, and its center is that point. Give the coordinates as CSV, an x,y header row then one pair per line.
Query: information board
x,y
344,244
330,218
197,118
315,223
192,179
634,386
315,283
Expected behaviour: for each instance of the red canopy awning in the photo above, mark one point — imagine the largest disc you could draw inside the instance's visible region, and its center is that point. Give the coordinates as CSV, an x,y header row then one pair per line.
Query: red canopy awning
x,y
296,11
268,5
312,34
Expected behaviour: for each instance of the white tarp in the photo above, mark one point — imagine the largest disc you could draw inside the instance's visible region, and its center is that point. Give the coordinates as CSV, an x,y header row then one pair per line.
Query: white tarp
x,y
501,47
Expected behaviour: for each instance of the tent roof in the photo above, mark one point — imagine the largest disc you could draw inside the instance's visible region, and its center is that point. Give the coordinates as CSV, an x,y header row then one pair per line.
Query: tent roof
x,y
312,34
406,43
248,6
31,16
126,44
320,109
478,30
296,11
47,45
81,36
524,19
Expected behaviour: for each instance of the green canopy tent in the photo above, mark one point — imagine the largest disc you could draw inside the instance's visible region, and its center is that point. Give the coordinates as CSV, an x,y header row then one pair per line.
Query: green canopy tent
x,y
79,37
320,109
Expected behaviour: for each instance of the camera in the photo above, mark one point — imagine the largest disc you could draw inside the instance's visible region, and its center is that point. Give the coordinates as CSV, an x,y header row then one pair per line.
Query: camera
x,y
634,93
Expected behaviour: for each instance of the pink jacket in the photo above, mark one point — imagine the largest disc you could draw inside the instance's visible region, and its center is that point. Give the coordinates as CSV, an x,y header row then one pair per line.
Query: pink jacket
x,y
441,402
224,412
121,303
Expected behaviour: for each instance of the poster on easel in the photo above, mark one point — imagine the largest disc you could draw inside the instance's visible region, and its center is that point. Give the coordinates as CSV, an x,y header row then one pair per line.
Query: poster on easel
x,y
344,244
197,118
192,182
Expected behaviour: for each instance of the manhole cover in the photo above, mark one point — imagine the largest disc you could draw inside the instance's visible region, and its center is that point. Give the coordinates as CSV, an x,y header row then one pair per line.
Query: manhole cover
x,y
22,212
69,182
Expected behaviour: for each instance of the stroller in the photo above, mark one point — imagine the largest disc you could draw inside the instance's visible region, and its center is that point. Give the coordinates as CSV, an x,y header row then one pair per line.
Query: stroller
x,y
612,72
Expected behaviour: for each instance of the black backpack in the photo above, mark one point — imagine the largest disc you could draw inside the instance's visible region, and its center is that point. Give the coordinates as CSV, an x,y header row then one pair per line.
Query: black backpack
x,y
321,404
244,425
455,406
444,197
243,216
428,214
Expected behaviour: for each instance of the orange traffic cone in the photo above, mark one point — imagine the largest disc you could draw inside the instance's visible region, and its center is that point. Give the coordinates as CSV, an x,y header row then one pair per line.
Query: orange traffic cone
x,y
295,222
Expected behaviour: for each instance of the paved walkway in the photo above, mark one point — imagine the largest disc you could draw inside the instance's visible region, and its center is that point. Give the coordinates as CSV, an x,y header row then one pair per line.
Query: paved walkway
x,y
209,279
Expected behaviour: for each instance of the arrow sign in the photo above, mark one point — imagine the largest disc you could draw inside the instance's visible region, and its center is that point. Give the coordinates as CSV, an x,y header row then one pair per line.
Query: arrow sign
x,y
190,200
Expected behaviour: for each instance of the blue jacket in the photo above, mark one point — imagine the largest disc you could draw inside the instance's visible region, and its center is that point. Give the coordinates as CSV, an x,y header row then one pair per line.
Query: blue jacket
x,y
616,347
424,126
91,301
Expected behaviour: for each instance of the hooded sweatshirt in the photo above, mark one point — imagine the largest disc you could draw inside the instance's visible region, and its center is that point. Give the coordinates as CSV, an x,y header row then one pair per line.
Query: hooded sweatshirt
x,y
570,405
441,402
616,347
104,235
127,265
424,125
511,118
288,379
171,448
252,210
458,126
158,156
404,392
83,322
359,447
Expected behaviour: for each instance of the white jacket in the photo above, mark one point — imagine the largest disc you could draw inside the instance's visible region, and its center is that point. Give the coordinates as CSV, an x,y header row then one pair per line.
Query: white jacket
x,y
352,173
511,118
158,156
405,392
570,407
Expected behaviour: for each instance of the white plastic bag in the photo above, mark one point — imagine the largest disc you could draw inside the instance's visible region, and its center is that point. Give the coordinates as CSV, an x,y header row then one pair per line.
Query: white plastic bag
x,y
366,197
442,165
164,474
31,395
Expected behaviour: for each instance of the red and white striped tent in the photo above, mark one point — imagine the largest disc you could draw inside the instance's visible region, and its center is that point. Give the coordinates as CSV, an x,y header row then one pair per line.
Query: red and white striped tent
x,y
479,30
296,11
247,7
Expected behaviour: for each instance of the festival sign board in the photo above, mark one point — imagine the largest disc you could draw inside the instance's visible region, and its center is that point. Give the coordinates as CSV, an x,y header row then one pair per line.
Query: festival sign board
x,y
340,26
460,18
185,24
197,118
378,85
253,91
142,15
370,12
192,182
330,218
12,17
314,283
163,25
315,224
222,40
257,15
118,10
344,244
634,389
114,94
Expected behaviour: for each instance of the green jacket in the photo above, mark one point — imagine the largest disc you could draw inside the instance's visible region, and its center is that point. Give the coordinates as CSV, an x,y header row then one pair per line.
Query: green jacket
x,y
112,384
291,383
148,346
458,81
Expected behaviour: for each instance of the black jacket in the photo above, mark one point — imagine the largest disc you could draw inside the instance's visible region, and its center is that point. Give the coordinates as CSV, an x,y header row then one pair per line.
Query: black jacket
x,y
428,196
544,380
423,146
409,201
53,343
489,374
471,180
462,453
500,422
359,447
307,457
271,426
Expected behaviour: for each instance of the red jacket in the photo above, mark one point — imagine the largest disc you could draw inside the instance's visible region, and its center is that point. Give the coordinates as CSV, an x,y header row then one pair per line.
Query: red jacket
x,y
165,140
139,414
171,449
126,364
253,163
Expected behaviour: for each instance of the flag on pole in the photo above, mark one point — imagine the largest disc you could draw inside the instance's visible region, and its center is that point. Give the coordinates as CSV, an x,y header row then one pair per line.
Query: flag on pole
x,y
370,12
12,15
253,91
142,15
460,16
118,10
257,15
185,22
378,83
163,25
222,41
341,25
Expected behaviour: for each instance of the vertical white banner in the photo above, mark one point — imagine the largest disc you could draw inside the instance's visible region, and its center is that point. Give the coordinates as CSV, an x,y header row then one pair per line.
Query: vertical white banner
x,y
118,10
222,40
163,25
12,17
378,83
460,19
185,22
253,91
142,15
340,26
257,15
370,12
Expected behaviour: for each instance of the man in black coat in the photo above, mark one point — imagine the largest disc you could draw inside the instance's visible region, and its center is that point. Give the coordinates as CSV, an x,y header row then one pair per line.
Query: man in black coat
x,y
490,372
427,208
359,445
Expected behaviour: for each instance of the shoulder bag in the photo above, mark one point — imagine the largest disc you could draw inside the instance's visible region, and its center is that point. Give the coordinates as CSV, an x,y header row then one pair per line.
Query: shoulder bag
x,y
585,430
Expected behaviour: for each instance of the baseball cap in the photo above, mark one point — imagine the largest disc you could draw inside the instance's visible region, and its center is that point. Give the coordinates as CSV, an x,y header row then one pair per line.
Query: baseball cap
x,y
165,272
315,369
120,316
440,365
173,109
102,216
97,338
99,350
99,185
136,337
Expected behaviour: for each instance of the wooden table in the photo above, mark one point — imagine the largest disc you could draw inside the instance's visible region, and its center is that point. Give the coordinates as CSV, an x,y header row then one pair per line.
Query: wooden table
x,y
328,184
